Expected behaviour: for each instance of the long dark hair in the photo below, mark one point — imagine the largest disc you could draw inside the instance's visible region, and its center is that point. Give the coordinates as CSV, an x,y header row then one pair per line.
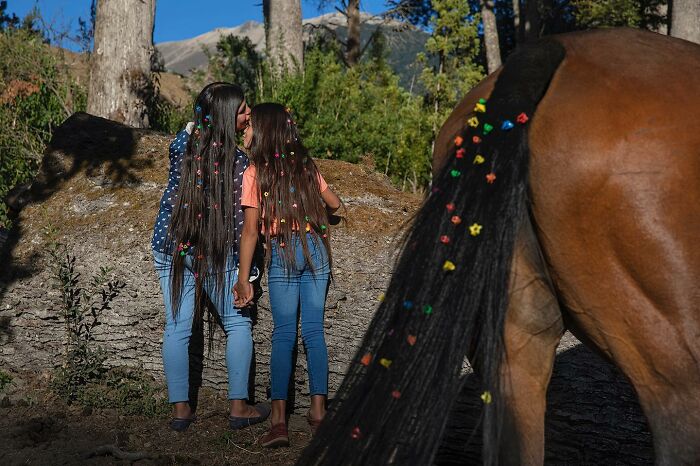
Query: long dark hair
x,y
449,292
288,180
203,220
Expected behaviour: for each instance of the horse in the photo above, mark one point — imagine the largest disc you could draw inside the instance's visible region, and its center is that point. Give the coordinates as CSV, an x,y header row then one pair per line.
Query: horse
x,y
566,195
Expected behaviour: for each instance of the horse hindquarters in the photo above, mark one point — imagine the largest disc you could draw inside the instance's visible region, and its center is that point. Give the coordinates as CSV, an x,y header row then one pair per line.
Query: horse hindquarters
x,y
616,209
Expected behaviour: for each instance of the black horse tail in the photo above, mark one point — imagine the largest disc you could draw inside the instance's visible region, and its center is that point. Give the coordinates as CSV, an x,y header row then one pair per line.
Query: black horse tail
x,y
449,293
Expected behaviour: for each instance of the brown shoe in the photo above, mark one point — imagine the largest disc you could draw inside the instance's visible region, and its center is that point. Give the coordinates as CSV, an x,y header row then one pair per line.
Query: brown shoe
x,y
276,437
313,423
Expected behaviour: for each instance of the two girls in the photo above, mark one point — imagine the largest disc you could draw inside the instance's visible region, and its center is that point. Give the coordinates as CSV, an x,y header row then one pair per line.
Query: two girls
x,y
196,245
285,194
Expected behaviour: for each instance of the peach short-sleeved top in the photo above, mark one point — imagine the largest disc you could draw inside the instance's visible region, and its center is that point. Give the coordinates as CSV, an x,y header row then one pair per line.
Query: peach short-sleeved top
x,y
250,194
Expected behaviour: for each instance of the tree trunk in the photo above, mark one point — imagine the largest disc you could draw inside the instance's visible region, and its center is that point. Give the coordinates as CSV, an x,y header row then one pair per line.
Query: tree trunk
x,y
283,34
684,19
516,22
493,49
352,48
530,22
120,75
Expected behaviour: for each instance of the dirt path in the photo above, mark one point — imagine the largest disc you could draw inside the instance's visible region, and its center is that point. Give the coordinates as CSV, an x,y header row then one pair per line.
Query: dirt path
x,y
37,429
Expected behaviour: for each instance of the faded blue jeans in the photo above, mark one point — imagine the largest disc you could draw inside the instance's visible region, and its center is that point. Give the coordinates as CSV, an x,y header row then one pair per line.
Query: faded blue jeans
x,y
301,288
176,339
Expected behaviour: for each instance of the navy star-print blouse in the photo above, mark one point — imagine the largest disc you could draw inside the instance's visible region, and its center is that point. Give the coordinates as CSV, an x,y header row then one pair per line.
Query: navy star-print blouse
x,y
177,151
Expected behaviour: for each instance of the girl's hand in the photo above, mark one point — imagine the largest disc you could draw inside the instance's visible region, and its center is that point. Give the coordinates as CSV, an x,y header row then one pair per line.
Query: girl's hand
x,y
242,293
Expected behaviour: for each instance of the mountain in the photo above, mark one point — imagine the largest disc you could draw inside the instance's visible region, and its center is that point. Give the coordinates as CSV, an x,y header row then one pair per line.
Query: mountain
x,y
403,42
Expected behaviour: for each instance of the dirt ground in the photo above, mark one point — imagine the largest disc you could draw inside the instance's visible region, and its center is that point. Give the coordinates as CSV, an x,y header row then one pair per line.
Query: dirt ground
x,y
38,429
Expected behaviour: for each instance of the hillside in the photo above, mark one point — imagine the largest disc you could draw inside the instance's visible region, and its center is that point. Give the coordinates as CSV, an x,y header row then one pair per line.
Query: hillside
x,y
403,42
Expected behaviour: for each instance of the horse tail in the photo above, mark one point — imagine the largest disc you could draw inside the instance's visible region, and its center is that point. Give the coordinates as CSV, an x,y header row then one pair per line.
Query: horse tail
x,y
449,292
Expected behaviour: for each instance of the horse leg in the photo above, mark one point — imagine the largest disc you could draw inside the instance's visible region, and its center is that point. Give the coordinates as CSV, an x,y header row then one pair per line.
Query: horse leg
x,y
533,329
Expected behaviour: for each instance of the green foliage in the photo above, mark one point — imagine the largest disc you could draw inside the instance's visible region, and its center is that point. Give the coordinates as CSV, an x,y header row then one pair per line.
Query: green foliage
x,y
342,113
613,13
166,117
36,95
454,44
236,61
5,380
84,378
349,113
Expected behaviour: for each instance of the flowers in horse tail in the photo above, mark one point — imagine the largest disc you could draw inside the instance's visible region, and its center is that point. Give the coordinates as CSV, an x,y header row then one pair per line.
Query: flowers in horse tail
x,y
183,248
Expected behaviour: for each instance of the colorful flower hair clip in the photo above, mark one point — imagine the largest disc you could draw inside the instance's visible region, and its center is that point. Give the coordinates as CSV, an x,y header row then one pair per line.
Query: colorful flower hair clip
x,y
522,118
475,229
473,122
459,140
507,125
448,266
491,178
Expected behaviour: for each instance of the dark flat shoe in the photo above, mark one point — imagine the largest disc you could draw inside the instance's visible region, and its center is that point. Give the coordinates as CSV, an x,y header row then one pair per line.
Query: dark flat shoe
x,y
179,424
237,423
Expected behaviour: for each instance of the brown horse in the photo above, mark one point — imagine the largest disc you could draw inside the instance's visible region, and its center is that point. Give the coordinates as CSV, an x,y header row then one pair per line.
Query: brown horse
x,y
606,247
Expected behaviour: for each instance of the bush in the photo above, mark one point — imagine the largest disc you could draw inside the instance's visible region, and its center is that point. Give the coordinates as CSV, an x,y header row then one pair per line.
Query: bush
x,y
84,378
346,114
36,95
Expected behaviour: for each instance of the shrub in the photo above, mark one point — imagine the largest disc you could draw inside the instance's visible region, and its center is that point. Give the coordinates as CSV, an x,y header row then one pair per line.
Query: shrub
x,y
36,94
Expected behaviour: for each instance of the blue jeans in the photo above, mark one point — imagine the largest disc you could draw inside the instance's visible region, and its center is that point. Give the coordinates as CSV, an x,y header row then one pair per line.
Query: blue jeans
x,y
176,339
290,290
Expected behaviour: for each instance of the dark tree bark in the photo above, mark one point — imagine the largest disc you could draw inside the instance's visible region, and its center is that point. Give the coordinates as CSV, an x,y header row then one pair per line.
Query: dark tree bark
x,y
530,20
684,19
283,34
493,50
352,47
120,85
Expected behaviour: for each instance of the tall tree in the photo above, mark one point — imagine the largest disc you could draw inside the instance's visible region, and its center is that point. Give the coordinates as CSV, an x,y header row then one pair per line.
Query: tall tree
x,y
121,87
353,45
452,50
685,19
283,34
493,49
530,20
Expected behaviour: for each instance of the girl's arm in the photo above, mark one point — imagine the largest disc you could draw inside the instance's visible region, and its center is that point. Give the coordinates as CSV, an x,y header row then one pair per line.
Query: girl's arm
x,y
243,289
331,199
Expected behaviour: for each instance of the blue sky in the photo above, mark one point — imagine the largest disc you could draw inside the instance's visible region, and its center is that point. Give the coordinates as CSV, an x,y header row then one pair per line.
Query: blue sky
x,y
175,19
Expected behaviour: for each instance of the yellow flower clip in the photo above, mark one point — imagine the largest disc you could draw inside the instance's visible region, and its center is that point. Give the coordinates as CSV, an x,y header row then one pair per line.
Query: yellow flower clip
x,y
479,159
486,397
475,229
481,108
448,266
385,362
473,122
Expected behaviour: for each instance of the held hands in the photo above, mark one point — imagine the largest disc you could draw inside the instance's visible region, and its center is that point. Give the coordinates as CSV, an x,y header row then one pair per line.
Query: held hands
x,y
242,293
